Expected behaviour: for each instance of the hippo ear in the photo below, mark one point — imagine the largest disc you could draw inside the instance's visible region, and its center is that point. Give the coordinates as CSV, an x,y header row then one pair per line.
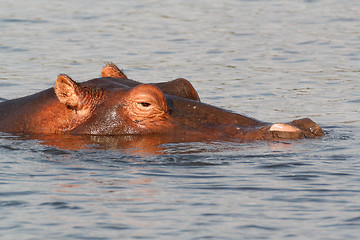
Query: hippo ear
x,y
69,92
111,70
181,88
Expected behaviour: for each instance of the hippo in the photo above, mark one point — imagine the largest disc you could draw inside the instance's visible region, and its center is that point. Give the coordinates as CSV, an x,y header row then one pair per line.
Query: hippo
x,y
115,105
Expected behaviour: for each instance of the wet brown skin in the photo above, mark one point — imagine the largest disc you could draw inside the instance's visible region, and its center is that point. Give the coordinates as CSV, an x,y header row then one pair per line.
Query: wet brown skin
x,y
43,113
179,87
118,106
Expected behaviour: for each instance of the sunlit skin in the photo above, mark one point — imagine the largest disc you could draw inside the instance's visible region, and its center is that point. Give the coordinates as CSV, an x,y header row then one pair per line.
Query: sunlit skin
x,y
115,105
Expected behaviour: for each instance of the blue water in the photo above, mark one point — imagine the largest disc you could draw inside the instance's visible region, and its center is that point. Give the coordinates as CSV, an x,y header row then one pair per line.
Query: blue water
x,y
272,60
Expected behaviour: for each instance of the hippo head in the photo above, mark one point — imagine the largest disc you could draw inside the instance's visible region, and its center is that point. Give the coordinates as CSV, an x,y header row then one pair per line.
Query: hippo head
x,y
145,109
113,111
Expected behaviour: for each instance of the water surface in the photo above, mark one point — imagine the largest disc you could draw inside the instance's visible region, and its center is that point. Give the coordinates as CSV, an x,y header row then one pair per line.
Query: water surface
x,y
272,60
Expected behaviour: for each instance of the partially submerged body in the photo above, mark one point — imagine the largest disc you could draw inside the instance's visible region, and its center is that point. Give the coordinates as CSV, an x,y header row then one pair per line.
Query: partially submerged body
x,y
115,105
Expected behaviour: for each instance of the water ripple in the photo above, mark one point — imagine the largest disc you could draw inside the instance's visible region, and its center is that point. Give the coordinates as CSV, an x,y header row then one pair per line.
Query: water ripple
x,y
60,205
12,203
19,20
258,227
19,193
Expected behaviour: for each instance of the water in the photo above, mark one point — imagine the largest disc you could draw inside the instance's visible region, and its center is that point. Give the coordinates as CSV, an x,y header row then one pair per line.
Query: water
x,y
272,60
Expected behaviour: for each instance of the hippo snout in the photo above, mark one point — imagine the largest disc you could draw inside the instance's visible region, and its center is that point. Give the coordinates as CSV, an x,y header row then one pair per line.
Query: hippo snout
x,y
297,129
309,128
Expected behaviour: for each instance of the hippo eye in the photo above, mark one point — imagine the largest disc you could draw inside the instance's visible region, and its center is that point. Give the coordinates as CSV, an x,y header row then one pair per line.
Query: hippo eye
x,y
145,104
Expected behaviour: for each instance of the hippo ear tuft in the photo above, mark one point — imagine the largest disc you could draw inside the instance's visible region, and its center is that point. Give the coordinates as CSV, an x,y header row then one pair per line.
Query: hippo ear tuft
x,y
68,91
111,70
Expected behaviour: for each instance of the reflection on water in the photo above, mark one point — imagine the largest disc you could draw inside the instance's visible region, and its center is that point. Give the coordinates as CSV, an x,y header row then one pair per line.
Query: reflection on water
x,y
132,144
145,144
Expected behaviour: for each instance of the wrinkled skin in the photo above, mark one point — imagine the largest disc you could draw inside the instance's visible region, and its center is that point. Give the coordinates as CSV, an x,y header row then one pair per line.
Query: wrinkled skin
x,y
115,105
